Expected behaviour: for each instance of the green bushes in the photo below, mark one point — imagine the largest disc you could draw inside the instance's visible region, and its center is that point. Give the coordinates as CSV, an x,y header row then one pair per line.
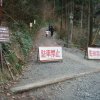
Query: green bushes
x,y
24,41
17,51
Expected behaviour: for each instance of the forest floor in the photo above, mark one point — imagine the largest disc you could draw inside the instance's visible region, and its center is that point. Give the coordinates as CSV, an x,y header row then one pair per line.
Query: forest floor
x,y
73,64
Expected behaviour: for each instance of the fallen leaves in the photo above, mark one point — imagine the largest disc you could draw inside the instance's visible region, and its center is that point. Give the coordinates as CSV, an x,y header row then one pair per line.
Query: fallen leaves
x,y
5,93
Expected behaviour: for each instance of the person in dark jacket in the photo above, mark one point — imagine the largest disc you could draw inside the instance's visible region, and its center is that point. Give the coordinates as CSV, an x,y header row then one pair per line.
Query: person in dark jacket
x,y
51,29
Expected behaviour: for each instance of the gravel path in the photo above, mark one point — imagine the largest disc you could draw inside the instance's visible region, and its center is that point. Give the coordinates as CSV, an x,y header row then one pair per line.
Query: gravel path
x,y
84,88
73,63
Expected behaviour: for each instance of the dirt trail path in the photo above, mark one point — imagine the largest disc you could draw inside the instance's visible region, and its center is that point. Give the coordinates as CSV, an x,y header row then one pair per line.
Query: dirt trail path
x,y
73,65
42,40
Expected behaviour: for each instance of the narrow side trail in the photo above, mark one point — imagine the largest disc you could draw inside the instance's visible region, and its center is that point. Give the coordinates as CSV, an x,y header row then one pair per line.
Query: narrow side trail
x,y
40,74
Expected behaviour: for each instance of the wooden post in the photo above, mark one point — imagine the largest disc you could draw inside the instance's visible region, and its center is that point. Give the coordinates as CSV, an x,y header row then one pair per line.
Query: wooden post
x,y
1,57
1,13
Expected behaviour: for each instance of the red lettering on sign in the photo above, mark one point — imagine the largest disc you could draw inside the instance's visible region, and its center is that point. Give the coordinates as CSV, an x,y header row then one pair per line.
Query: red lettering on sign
x,y
98,53
43,53
94,53
50,53
53,53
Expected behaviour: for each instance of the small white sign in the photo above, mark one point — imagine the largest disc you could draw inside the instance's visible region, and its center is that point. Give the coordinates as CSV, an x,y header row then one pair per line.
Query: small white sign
x,y
50,54
34,21
31,24
4,34
93,53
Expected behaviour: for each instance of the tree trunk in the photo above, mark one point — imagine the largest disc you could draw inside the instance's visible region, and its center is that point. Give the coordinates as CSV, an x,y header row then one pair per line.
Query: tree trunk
x,y
61,16
71,23
54,8
82,18
90,25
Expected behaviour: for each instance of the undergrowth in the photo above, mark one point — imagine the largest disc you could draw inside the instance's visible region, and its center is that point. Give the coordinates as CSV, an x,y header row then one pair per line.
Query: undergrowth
x,y
17,51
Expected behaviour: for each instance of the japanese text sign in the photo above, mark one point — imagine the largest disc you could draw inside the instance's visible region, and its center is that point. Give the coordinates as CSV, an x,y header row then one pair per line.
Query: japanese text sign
x,y
4,34
93,53
50,54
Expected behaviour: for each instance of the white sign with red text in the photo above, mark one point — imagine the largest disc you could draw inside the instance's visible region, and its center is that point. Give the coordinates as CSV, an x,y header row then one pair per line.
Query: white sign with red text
x,y
50,54
93,53
4,34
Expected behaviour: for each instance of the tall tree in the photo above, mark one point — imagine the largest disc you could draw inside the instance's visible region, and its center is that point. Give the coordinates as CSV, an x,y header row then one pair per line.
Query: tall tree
x,y
90,22
61,15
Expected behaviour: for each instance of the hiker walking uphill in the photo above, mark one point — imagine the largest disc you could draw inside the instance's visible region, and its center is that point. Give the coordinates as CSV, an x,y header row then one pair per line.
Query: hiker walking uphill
x,y
51,29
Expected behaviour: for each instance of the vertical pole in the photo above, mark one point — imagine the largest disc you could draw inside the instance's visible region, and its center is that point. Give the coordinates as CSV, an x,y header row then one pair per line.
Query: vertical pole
x,y
54,8
1,14
1,57
71,24
90,22
71,30
1,63
61,16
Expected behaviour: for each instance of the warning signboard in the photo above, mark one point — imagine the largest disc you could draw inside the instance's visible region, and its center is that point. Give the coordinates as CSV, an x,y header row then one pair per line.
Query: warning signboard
x,y
93,53
50,54
4,34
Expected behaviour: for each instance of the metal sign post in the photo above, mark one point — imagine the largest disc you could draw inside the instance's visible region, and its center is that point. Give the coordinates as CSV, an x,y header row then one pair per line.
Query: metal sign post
x,y
1,58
